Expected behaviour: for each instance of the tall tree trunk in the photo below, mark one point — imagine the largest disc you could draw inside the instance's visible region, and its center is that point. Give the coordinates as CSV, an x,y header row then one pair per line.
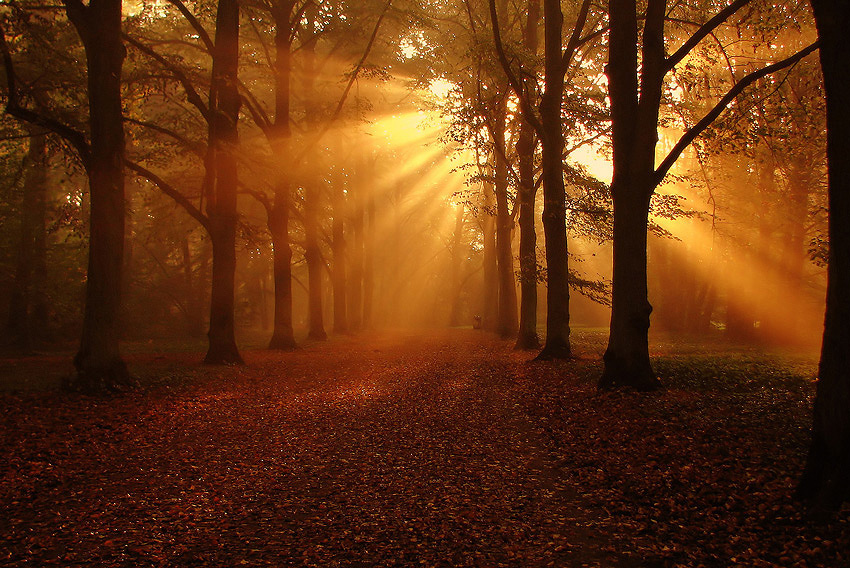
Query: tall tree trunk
x,y
826,478
194,307
98,362
627,356
221,206
455,291
339,256
634,135
554,193
27,313
283,336
313,256
490,294
369,262
355,274
312,251
507,313
527,337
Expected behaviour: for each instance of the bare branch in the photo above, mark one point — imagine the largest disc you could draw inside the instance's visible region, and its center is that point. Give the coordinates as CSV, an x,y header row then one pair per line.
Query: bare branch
x,y
704,123
191,94
702,32
196,25
528,111
196,148
170,191
309,146
576,39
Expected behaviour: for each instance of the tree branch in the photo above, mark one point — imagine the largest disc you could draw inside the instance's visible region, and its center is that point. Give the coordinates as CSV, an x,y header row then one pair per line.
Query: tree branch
x,y
196,148
528,111
196,25
704,123
14,108
309,146
170,191
575,38
702,32
191,94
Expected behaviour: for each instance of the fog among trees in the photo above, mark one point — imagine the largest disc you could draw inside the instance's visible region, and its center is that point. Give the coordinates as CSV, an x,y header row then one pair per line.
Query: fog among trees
x,y
272,175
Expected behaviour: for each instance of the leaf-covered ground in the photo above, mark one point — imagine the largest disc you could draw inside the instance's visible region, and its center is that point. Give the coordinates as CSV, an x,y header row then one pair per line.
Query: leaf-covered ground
x,y
438,449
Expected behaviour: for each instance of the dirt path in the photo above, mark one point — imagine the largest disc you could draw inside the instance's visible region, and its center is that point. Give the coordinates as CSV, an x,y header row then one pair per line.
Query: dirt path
x,y
379,451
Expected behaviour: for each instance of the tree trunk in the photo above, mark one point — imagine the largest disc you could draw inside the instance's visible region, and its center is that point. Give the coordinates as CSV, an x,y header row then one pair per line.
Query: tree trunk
x,y
355,274
98,362
634,136
313,256
794,249
339,258
527,337
627,356
507,312
491,282
27,309
283,337
554,193
826,478
455,290
221,207
194,307
312,252
369,262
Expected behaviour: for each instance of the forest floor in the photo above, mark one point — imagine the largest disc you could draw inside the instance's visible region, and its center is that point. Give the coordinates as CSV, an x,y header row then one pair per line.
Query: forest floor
x,y
443,448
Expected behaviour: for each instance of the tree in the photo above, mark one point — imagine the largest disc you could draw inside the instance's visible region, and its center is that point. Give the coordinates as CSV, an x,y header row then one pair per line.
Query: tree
x,y
826,478
98,362
526,145
636,92
222,182
547,122
27,306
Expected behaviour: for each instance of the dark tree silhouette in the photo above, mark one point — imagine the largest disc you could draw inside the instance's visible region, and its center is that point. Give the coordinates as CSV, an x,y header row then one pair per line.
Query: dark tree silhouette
x,y
222,182
635,91
98,363
826,478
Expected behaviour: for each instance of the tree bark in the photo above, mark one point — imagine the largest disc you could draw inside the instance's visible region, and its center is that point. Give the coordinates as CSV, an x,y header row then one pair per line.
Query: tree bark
x,y
312,251
627,356
194,296
455,290
27,308
283,336
98,362
507,309
826,479
339,254
557,344
221,205
634,136
527,337
490,295
369,262
354,301
313,256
